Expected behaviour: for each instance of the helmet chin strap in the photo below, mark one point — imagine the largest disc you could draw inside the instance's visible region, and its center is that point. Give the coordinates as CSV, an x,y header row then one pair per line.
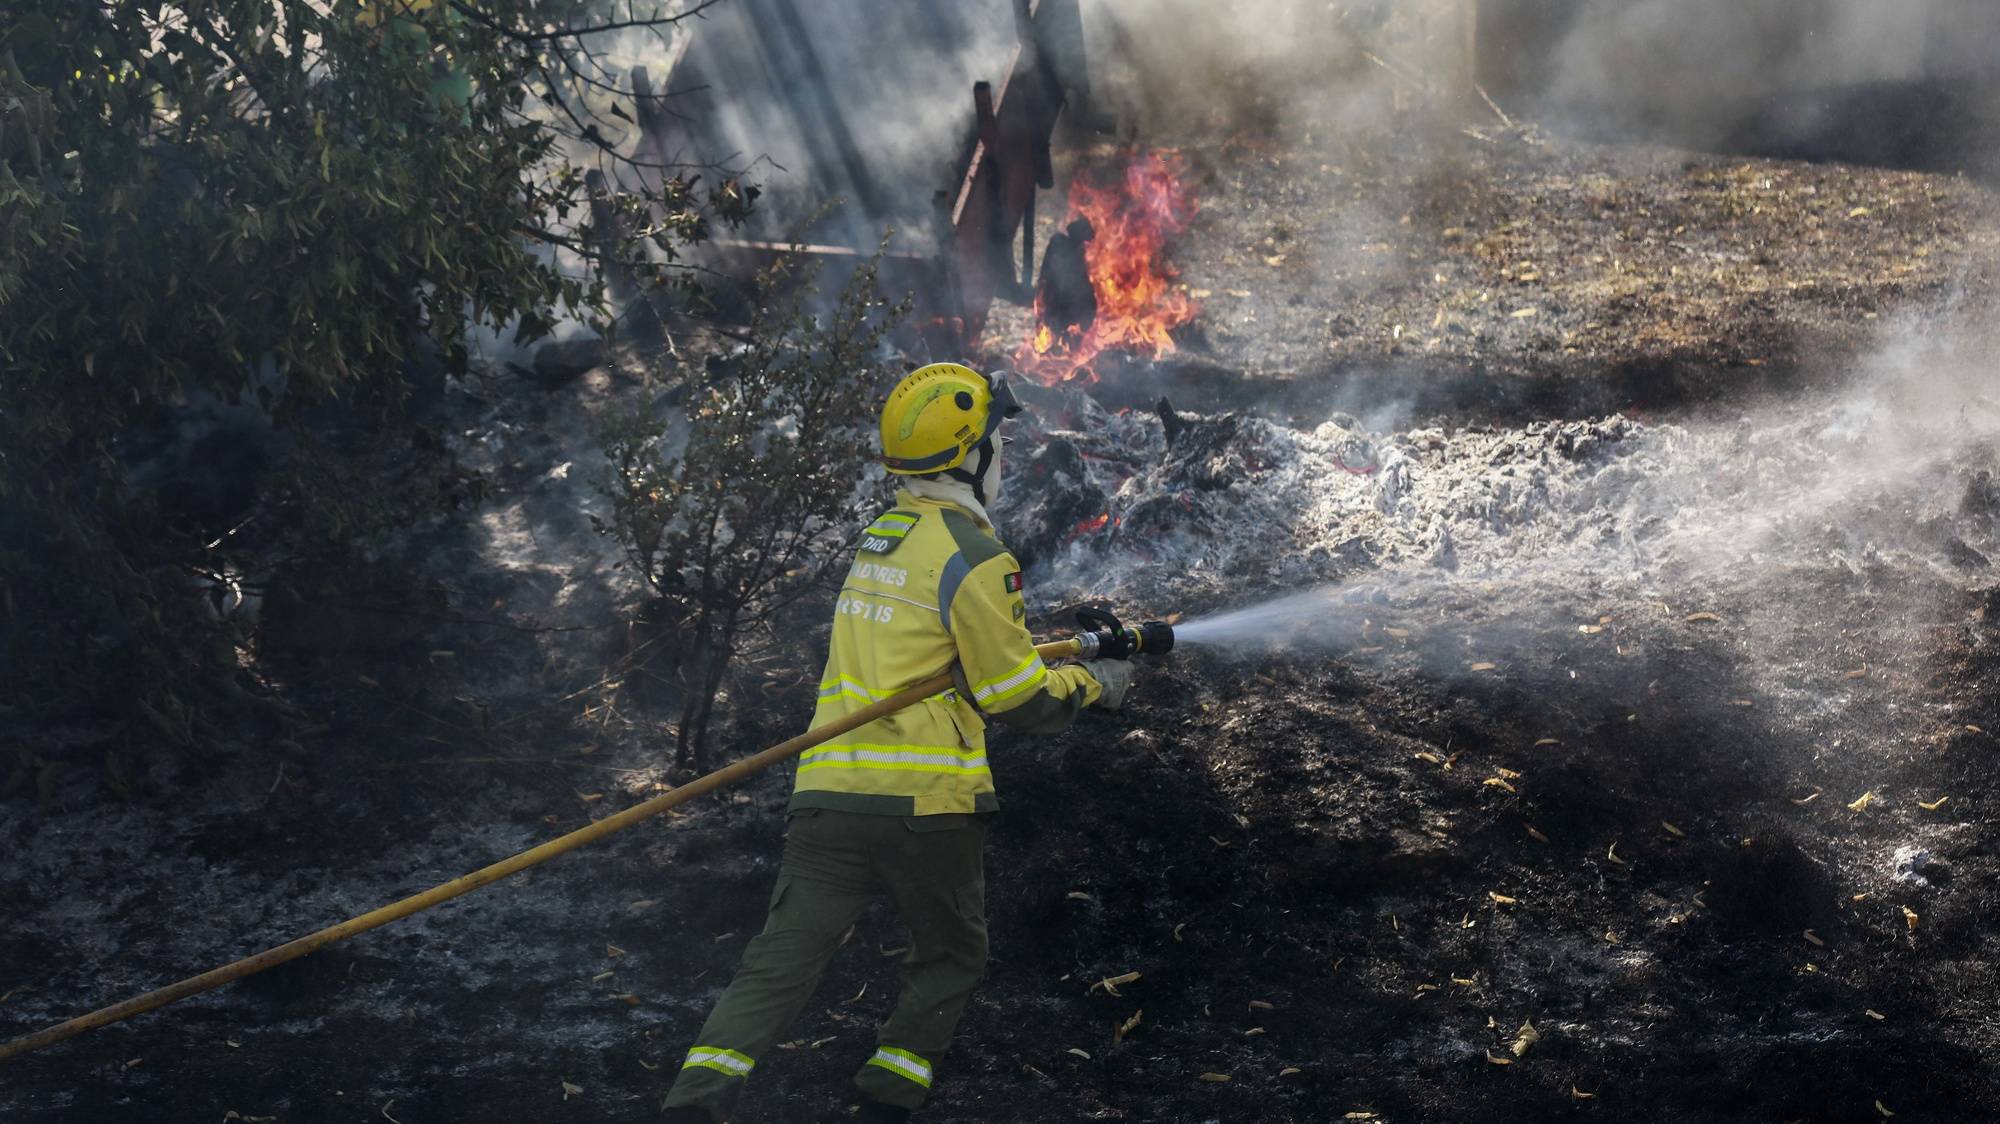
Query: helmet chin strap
x,y
978,472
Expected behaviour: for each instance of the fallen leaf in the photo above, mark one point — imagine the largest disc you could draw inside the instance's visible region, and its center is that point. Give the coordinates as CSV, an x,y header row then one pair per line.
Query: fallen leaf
x,y
1111,984
1858,673
648,1066
629,999
1525,1037
570,1090
1253,1032
1612,854
1260,1005
1874,1014
1611,937
1523,313
1805,800
1215,1078
1177,932
1861,802
1508,774
602,976
1814,938
1536,835
1080,896
1910,918
1497,1060
587,797
1127,1027
1547,741
1879,1106
1499,898
1482,666
1697,618
1398,633
643,903
1084,1054
613,950
1933,805
1579,1094
1856,213
1463,982
1590,629
1289,1070
1351,1115
1673,831
1499,783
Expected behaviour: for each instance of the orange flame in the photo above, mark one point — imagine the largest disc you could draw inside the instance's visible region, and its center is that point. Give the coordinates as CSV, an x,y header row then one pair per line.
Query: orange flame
x,y
1137,304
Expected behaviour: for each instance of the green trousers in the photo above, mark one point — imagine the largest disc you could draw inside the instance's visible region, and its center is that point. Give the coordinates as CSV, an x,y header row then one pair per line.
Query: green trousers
x,y
834,864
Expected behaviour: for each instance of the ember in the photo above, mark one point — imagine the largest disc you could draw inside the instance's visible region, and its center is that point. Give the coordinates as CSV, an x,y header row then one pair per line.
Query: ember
x,y
1137,305
1089,526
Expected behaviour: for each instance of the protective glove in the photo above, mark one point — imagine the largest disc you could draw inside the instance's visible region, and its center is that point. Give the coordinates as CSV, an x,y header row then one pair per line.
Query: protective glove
x,y
1114,678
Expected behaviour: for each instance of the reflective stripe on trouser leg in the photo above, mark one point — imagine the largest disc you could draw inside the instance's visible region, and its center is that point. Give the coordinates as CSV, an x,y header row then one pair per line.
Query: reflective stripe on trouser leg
x,y
720,1060
902,1063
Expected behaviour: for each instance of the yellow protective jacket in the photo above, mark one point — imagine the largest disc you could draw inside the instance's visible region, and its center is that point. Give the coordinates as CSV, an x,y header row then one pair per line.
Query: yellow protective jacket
x,y
930,586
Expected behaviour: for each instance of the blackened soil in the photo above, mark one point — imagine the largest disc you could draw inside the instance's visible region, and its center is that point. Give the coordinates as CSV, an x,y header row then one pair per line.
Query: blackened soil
x,y
1346,880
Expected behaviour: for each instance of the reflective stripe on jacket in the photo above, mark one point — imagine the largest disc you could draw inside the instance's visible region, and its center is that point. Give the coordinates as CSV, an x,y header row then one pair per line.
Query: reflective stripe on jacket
x,y
930,586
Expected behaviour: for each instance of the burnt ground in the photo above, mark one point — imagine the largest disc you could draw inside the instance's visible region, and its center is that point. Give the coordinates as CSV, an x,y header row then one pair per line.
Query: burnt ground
x,y
1346,884
1347,877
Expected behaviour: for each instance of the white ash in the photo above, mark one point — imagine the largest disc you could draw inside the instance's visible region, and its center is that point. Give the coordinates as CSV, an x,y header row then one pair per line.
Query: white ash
x,y
1239,507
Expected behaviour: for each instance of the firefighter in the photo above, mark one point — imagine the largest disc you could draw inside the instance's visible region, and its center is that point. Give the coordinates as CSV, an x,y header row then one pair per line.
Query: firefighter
x,y
899,806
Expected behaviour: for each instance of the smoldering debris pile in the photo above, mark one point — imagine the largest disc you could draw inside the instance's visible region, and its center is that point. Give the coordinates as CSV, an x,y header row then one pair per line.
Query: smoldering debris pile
x,y
1198,511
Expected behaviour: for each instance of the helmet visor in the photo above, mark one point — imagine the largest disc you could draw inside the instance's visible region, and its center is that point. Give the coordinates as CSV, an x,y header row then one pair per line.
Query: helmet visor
x,y
1005,404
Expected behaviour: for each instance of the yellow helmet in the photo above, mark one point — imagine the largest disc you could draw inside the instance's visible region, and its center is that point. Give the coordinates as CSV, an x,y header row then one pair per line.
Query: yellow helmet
x,y
939,414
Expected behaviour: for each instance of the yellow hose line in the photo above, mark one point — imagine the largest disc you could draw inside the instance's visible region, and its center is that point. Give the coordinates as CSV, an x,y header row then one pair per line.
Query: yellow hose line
x,y
271,958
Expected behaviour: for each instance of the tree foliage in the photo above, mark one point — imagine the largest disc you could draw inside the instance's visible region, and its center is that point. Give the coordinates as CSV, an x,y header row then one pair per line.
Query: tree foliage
x,y
736,505
268,204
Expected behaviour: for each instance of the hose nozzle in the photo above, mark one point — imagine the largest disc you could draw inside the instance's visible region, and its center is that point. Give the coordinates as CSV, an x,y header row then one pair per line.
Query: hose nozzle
x,y
1104,638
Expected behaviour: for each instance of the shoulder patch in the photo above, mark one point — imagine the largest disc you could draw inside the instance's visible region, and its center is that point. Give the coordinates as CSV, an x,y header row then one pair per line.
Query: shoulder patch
x,y
1014,582
888,531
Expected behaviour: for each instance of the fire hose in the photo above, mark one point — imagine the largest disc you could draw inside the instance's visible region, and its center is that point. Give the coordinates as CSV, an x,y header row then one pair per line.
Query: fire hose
x,y
1103,638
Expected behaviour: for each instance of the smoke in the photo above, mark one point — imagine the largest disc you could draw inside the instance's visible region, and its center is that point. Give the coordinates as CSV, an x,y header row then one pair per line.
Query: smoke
x,y
1883,486
1909,83
866,108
